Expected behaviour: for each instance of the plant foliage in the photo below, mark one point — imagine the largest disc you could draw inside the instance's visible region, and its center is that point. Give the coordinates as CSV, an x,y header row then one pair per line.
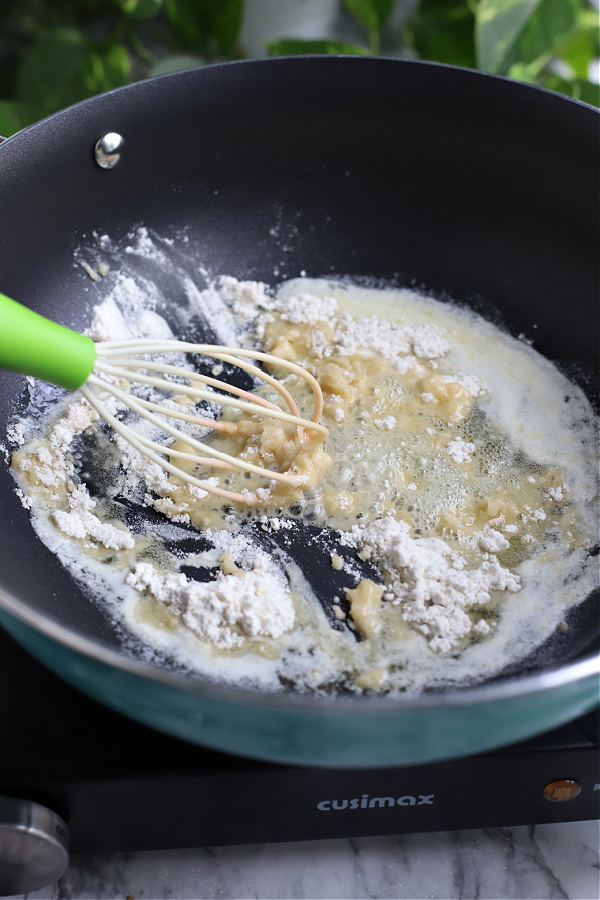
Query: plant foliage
x,y
56,52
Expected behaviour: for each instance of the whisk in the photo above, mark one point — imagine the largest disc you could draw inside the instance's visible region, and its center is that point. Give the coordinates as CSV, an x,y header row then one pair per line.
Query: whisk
x,y
34,345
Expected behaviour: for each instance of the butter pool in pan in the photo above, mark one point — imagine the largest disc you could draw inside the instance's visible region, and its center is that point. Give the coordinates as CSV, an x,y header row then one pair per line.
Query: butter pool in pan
x,y
442,533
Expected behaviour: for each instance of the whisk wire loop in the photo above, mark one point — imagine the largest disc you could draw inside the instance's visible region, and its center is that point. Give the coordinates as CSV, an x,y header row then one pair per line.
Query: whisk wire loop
x,y
113,365
117,365
140,408
225,354
147,451
174,387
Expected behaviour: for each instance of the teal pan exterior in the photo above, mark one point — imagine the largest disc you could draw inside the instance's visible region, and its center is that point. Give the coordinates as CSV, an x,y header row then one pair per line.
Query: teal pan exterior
x,y
312,732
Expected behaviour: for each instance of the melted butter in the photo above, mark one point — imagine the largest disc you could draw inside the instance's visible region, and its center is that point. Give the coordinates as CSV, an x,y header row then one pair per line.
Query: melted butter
x,y
387,454
365,606
373,679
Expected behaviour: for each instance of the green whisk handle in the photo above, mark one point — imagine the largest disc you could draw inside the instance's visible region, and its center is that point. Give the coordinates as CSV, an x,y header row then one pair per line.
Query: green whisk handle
x,y
33,345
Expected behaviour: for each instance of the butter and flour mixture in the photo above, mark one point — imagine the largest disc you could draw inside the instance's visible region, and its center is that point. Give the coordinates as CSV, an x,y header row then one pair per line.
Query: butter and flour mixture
x,y
442,531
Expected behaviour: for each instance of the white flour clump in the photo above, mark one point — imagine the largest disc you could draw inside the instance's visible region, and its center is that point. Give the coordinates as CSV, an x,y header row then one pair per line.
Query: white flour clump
x,y
390,340
247,604
493,541
472,385
430,582
308,309
51,465
460,451
51,468
245,298
386,424
79,417
401,344
80,522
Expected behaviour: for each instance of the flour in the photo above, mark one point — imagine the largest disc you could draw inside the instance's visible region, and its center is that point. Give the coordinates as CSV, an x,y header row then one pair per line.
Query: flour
x,y
443,478
558,493
226,611
111,323
400,343
47,469
492,541
50,464
386,424
309,309
431,581
387,339
245,298
51,467
460,451
78,418
15,432
80,522
473,386
26,501
143,244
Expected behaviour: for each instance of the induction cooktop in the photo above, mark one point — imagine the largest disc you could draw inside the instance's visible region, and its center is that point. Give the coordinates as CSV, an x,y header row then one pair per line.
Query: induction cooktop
x,y
117,785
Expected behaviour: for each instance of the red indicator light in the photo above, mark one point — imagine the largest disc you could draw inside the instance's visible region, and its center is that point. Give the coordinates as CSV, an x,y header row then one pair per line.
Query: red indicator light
x,y
565,789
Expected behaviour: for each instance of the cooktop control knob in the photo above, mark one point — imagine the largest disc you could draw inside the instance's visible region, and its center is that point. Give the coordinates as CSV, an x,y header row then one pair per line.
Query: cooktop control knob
x,y
33,846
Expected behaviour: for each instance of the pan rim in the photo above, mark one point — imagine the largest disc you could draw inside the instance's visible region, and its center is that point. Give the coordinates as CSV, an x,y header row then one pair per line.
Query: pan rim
x,y
282,60
537,683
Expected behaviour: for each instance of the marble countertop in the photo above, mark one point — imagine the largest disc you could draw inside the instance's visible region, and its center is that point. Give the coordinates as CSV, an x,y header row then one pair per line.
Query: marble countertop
x,y
522,863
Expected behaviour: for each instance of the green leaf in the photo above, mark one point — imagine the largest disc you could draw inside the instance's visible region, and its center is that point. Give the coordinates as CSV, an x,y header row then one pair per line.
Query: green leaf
x,y
510,31
50,73
579,54
578,88
587,91
175,63
498,26
15,116
297,47
202,24
443,30
141,9
365,12
584,44
105,67
63,66
384,10
522,72
547,29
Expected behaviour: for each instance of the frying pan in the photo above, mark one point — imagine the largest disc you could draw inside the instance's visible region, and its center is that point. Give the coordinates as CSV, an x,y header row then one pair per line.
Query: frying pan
x,y
469,185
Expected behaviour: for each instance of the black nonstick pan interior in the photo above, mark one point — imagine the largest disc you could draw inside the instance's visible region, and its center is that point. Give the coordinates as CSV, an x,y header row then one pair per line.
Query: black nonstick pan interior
x,y
469,186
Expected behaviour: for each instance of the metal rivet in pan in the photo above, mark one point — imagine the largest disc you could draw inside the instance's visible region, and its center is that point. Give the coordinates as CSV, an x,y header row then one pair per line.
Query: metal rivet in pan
x,y
107,150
